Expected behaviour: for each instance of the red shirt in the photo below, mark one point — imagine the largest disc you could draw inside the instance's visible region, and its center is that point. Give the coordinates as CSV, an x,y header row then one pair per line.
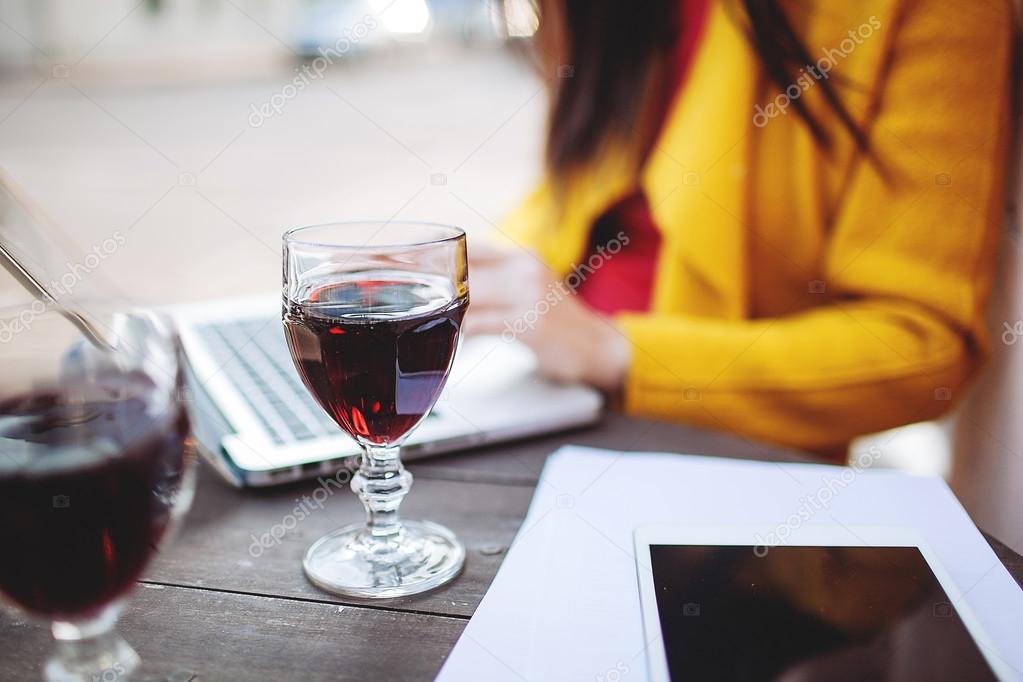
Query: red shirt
x,y
630,241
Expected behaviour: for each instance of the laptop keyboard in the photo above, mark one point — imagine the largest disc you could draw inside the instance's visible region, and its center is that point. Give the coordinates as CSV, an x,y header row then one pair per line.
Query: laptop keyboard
x,y
254,356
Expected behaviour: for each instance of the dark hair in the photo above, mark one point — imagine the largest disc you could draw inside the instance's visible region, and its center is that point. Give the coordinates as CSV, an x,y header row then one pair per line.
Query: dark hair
x,y
605,56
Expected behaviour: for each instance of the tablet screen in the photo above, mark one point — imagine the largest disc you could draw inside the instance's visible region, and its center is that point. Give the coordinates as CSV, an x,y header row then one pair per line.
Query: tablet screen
x,y
808,613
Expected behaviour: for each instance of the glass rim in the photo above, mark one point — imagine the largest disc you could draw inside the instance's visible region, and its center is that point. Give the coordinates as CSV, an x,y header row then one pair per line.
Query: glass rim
x,y
456,233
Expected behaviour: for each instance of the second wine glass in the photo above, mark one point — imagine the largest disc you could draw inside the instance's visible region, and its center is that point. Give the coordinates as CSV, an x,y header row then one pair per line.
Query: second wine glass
x,y
95,471
372,314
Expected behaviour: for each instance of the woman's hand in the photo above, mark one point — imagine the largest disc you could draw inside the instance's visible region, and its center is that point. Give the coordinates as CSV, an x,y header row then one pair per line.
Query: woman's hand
x,y
512,293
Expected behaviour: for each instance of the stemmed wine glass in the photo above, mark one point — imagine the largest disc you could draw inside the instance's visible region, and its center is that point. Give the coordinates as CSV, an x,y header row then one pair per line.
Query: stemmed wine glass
x,y
372,313
94,471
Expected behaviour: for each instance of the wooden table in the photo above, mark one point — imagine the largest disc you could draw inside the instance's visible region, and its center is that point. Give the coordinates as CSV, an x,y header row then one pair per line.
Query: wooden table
x,y
215,606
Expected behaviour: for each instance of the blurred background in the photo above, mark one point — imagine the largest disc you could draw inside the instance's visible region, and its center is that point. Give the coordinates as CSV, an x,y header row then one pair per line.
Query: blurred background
x,y
202,129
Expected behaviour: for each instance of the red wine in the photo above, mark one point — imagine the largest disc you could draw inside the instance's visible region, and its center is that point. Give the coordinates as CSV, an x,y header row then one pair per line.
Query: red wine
x,y
88,476
375,352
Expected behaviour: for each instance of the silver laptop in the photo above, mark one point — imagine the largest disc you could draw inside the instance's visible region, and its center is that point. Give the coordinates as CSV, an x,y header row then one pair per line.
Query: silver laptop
x,y
274,432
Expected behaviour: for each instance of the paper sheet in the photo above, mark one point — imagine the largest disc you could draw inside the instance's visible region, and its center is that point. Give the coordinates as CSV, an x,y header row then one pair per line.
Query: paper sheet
x,y
565,603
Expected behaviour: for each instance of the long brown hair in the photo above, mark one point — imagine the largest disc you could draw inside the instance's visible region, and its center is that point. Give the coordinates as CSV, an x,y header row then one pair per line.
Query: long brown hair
x,y
605,56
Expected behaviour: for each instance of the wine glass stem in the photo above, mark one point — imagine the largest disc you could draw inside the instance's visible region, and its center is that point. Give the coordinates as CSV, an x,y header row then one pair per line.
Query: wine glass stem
x,y
382,483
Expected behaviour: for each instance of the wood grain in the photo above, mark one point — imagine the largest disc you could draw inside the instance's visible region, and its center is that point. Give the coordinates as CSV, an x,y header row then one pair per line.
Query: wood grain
x,y
520,463
204,635
218,548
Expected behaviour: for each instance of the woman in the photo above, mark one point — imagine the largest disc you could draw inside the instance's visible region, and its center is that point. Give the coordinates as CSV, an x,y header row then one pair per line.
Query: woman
x,y
779,217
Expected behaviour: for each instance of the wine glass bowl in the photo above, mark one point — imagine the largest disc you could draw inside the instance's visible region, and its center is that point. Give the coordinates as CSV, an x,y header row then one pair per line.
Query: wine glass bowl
x,y
372,313
94,471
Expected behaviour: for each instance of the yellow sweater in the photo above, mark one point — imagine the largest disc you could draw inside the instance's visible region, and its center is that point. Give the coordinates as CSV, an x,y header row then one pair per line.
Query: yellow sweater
x,y
803,297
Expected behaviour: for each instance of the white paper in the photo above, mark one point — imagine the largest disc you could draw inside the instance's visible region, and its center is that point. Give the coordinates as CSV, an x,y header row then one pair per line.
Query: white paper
x,y
565,603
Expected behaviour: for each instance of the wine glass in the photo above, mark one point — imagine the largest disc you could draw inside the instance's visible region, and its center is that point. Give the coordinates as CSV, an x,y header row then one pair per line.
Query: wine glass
x,y
94,471
372,313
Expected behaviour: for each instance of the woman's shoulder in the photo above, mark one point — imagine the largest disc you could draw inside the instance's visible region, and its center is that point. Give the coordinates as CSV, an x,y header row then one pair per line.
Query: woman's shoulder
x,y
941,38
822,21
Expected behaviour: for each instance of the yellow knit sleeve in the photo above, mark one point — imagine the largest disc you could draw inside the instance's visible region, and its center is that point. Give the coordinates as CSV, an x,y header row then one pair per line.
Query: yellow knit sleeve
x,y
908,265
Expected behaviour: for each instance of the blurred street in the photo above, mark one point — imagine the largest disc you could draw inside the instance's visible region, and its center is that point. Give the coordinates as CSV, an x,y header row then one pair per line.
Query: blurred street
x,y
202,186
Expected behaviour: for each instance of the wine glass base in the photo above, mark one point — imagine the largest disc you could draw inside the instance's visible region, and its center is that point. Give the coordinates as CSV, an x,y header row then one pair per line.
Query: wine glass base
x,y
106,657
349,561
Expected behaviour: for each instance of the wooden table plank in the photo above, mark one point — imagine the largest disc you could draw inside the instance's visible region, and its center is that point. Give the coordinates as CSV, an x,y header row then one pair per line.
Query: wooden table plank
x,y
185,634
217,548
520,463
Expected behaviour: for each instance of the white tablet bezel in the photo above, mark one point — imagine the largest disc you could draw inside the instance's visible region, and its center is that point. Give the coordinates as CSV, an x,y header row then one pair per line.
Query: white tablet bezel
x,y
806,536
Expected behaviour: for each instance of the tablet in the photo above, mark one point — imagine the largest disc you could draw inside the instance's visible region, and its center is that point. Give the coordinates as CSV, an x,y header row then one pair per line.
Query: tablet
x,y
831,603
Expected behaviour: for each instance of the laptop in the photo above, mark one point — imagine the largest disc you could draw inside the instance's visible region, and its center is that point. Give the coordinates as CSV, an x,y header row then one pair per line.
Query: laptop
x,y
259,426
